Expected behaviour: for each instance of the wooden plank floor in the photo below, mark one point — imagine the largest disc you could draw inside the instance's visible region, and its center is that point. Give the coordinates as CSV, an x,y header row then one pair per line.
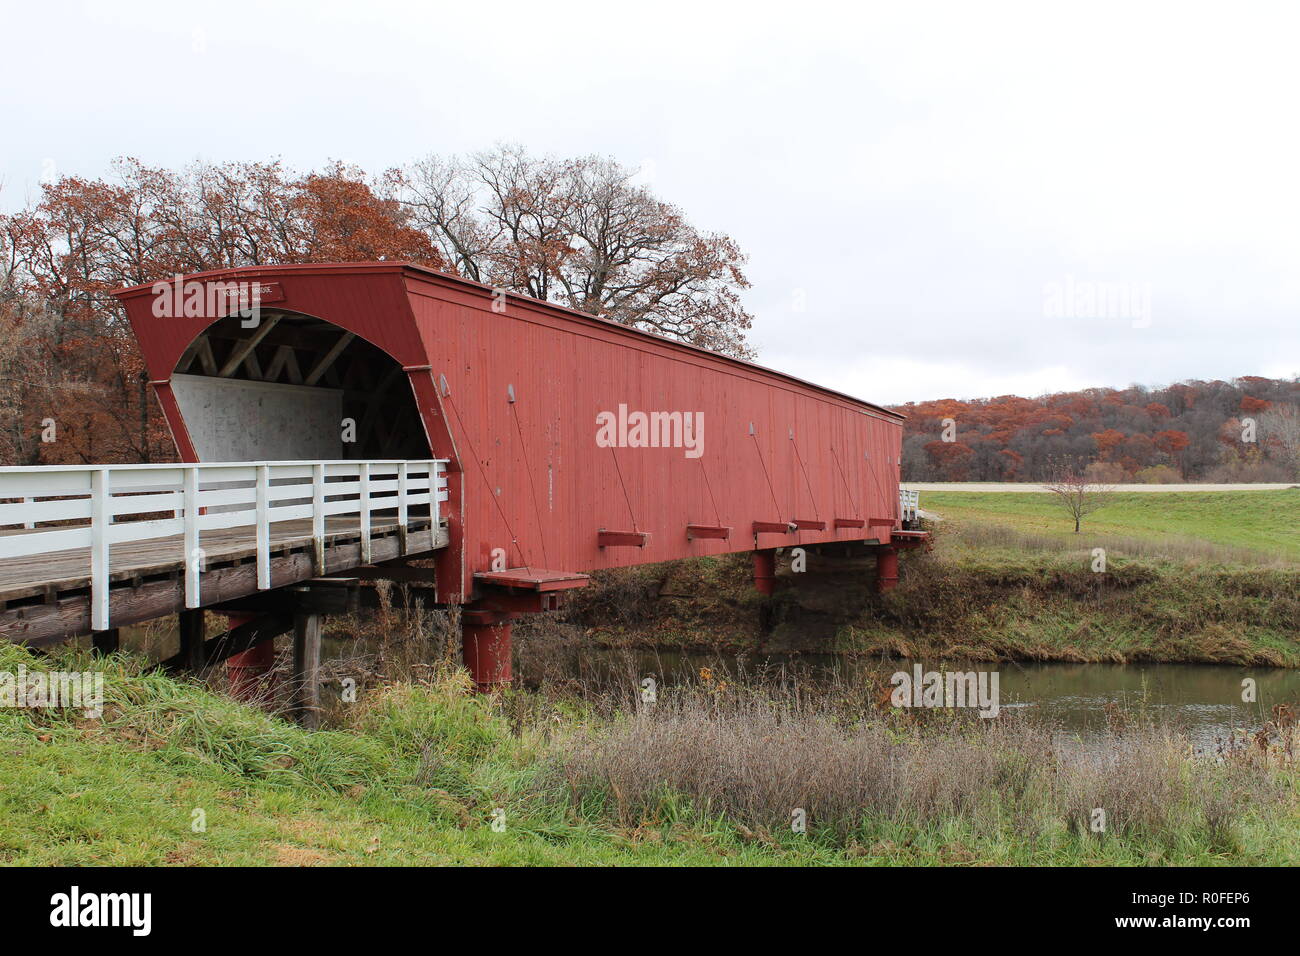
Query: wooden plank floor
x,y
67,570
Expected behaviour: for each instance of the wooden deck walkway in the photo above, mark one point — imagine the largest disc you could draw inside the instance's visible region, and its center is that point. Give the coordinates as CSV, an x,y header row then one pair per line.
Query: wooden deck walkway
x,y
45,598
87,549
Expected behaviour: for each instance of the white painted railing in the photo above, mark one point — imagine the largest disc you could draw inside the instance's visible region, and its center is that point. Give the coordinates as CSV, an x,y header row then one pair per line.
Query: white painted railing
x,y
97,507
908,501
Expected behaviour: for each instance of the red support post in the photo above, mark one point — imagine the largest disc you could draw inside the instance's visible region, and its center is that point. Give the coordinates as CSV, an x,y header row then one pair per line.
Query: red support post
x,y
886,569
245,671
765,571
485,645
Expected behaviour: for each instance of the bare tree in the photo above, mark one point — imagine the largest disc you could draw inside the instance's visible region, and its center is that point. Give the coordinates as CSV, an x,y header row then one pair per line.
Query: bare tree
x,y
1279,427
1076,494
584,233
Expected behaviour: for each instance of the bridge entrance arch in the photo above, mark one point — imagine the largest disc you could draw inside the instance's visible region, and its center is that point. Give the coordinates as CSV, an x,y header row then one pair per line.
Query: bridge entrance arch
x,y
293,387
289,386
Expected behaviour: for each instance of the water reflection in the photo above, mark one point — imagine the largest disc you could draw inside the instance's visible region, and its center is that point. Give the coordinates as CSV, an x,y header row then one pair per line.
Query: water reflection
x,y
1203,700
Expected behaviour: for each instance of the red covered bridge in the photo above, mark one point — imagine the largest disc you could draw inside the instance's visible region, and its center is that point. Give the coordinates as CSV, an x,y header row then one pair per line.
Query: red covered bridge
x,y
561,442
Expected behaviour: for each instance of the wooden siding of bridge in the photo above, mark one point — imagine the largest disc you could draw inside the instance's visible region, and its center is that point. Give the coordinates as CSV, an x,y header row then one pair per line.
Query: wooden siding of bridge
x,y
527,475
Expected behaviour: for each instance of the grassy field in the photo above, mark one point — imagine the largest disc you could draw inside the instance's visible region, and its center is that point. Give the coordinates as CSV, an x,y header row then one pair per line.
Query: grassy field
x,y
1249,526
416,773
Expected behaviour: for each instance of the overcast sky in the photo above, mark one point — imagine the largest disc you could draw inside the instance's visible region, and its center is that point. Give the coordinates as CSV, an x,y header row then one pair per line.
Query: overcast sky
x,y
937,200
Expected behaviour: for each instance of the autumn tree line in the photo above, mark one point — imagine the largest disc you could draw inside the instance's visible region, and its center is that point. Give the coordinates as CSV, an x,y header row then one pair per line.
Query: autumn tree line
x,y
583,233
1245,430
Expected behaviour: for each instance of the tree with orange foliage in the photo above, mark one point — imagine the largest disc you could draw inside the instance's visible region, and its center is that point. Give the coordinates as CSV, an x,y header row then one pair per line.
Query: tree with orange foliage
x,y
1014,462
1107,425
952,458
73,354
1172,443
1107,441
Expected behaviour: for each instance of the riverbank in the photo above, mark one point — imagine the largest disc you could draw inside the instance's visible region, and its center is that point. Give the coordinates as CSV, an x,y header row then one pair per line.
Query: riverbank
x,y
991,605
1007,580
430,773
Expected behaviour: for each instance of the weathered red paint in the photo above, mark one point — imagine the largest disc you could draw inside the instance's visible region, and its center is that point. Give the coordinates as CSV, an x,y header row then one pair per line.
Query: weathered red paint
x,y
172,412
808,524
886,569
774,527
765,571
527,476
485,647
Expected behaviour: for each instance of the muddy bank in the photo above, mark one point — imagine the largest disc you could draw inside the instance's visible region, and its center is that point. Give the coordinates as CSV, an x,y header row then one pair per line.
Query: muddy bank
x,y
1047,607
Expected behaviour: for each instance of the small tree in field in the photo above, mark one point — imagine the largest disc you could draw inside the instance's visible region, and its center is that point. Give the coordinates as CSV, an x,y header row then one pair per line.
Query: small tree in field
x,y
1077,495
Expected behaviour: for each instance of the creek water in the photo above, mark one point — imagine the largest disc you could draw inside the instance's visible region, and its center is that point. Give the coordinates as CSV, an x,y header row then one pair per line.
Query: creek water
x,y
1204,700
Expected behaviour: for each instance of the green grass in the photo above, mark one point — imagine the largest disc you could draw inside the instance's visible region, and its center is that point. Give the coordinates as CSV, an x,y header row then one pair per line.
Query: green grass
x,y
413,779
414,783
1264,522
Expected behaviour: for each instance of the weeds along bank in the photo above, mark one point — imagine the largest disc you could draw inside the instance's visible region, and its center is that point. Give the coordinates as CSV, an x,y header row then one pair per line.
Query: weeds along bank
x,y
1006,606
429,772
984,593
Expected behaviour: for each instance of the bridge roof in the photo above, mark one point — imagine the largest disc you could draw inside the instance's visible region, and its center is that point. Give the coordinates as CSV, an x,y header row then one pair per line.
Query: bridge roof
x,y
450,280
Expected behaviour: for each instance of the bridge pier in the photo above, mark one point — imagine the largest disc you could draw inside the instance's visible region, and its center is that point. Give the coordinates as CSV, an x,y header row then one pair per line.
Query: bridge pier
x,y
193,633
245,670
301,609
485,646
765,571
305,702
886,569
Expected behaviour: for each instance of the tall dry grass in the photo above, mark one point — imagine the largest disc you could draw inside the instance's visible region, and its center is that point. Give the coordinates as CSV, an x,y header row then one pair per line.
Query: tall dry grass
x,y
755,758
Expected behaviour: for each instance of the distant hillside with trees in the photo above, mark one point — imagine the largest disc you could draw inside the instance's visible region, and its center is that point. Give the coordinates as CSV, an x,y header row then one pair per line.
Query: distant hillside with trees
x,y
1245,430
